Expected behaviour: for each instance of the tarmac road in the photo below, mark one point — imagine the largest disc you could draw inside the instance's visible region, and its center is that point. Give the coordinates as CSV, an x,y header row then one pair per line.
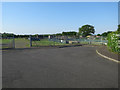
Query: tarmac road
x,y
71,67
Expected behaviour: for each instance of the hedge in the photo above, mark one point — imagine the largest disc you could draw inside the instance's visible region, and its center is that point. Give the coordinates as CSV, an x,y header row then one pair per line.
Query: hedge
x,y
113,41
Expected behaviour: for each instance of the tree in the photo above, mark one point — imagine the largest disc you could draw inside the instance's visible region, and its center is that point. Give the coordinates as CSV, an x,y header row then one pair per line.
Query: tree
x,y
106,33
72,33
98,34
118,28
7,34
86,30
58,34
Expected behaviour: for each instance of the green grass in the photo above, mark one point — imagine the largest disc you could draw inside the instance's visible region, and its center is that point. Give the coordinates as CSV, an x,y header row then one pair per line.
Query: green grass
x,y
19,43
5,41
22,43
82,42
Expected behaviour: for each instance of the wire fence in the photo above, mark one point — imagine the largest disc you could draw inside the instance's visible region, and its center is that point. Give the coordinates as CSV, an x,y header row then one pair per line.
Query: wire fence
x,y
7,42
11,42
80,41
93,41
46,42
69,41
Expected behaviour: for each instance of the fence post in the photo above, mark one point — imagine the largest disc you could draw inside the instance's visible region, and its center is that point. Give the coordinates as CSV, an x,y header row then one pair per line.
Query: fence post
x,y
101,40
13,41
54,39
90,42
30,40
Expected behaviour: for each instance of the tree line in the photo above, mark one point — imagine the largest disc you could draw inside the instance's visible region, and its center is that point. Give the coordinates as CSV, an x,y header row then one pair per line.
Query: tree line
x,y
83,31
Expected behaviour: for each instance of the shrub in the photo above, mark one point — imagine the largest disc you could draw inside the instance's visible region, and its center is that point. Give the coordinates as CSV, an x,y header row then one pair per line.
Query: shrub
x,y
113,43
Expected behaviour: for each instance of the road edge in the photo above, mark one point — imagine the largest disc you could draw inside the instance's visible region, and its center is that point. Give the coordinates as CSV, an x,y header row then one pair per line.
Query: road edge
x,y
111,59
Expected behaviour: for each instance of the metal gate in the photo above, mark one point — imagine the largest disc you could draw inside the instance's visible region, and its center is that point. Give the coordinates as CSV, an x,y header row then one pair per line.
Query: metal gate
x,y
7,42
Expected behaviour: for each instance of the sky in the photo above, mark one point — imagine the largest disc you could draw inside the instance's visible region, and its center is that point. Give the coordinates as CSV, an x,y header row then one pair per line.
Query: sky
x,y
60,0
119,12
56,17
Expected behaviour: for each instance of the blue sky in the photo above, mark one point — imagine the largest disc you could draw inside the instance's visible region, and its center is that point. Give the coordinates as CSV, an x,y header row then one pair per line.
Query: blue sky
x,y
56,17
119,12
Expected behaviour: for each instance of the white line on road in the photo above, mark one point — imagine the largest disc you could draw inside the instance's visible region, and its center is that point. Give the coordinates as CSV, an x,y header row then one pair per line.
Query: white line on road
x,y
114,60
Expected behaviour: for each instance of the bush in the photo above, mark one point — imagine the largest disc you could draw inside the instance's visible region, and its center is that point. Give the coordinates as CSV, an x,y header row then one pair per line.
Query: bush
x,y
113,43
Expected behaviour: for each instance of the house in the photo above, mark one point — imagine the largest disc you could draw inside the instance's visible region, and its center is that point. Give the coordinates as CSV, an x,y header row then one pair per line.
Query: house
x,y
91,36
97,36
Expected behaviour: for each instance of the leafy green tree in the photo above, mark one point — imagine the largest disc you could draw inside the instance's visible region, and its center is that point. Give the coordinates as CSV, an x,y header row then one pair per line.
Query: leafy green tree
x,y
58,34
7,35
72,33
98,34
113,43
118,28
86,30
105,34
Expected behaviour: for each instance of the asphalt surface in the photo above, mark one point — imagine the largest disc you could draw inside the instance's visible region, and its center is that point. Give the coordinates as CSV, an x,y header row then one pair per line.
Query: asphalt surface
x,y
71,67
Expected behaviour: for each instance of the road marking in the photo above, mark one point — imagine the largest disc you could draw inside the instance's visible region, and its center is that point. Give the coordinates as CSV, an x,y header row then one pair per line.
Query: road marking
x,y
114,60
